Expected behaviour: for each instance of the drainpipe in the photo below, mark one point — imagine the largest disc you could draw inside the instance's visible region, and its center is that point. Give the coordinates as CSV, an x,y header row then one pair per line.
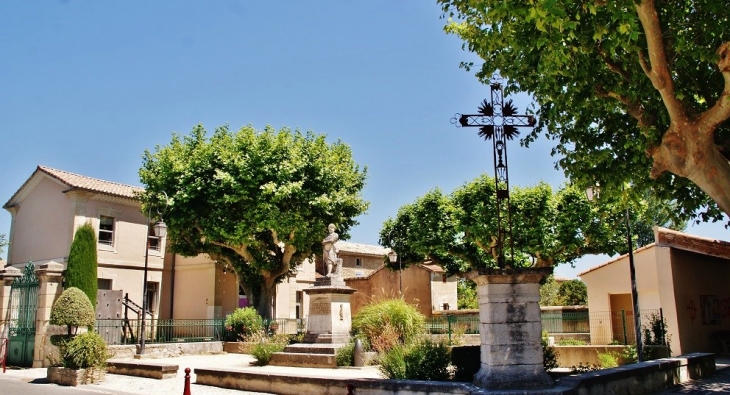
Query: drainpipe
x,y
172,288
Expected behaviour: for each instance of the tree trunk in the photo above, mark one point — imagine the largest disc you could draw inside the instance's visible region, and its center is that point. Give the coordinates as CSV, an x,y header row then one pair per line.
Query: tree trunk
x,y
265,302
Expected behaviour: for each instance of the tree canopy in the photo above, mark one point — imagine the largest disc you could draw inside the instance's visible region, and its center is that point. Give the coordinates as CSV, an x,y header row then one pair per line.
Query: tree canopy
x,y
457,230
81,270
258,201
3,243
631,91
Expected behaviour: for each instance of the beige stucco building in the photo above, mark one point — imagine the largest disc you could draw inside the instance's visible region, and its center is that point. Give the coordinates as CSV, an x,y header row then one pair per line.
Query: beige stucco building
x,y
685,276
51,204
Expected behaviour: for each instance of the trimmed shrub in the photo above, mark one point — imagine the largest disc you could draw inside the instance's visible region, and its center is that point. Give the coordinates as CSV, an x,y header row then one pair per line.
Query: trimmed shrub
x,y
85,351
73,309
243,323
387,323
549,355
81,271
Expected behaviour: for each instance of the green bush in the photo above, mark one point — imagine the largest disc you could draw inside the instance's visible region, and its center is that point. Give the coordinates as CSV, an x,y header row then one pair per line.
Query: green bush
x,y
262,351
81,270
422,360
387,323
608,359
549,355
346,354
73,309
243,323
571,342
84,351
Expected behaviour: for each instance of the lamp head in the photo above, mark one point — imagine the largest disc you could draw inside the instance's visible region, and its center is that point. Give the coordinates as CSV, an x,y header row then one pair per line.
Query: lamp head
x,y
392,256
160,229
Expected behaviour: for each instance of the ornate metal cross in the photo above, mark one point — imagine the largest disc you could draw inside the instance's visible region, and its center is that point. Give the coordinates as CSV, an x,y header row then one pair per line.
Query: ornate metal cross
x,y
497,121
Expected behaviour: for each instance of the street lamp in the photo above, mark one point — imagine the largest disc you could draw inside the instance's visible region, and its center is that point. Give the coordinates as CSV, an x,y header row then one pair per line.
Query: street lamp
x,y
160,232
392,257
592,193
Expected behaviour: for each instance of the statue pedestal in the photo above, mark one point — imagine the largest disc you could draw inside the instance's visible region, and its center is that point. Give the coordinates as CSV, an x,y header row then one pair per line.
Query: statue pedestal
x,y
511,329
330,318
328,326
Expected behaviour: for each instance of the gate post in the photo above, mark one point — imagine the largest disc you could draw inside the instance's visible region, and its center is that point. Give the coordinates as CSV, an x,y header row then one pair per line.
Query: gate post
x,y
50,276
7,276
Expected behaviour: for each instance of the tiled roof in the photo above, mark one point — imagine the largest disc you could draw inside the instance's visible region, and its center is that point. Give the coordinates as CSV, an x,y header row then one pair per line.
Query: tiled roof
x,y
79,182
356,272
361,249
432,267
682,241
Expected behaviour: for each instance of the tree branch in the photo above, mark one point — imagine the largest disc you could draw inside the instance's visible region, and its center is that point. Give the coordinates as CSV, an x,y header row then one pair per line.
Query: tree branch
x,y
658,69
720,112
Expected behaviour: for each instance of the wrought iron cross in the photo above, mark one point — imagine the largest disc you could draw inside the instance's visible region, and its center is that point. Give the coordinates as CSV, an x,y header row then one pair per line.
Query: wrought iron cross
x,y
497,121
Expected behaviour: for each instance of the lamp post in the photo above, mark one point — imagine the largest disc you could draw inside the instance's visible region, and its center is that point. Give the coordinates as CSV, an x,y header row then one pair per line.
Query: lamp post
x,y
591,193
160,232
392,257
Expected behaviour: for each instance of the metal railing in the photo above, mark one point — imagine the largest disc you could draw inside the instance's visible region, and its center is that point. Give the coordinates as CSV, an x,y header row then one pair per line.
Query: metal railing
x,y
119,331
617,327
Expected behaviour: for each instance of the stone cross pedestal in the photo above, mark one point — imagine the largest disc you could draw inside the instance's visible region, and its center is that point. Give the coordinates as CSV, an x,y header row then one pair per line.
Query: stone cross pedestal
x,y
330,317
511,329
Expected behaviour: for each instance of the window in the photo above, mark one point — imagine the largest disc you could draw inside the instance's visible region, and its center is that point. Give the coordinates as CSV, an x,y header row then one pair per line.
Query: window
x,y
443,279
358,262
153,242
446,306
104,283
106,230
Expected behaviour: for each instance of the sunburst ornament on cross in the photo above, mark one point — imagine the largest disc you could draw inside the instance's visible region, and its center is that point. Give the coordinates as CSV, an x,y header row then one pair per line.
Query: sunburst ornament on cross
x,y
497,121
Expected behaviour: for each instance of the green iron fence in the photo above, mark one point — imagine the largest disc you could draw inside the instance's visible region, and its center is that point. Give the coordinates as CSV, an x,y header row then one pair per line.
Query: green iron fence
x,y
119,331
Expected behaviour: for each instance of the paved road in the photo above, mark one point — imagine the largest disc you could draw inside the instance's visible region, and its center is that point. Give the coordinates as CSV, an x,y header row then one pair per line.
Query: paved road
x,y
717,384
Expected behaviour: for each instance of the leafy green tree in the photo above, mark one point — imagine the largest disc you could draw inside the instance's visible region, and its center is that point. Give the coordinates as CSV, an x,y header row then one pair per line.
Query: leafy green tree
x,y
81,270
466,294
72,309
458,230
631,91
573,293
550,292
258,200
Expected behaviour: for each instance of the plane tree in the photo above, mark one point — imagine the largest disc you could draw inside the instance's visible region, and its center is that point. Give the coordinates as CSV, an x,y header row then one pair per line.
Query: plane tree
x,y
458,231
256,201
631,90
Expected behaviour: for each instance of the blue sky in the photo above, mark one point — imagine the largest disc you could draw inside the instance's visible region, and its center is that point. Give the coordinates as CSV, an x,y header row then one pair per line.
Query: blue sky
x,y
87,86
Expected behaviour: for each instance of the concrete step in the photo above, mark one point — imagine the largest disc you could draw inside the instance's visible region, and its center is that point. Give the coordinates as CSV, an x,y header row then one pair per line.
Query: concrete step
x,y
309,348
303,360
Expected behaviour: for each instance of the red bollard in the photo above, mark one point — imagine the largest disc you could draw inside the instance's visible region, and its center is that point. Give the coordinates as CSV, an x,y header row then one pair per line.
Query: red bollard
x,y
186,391
350,389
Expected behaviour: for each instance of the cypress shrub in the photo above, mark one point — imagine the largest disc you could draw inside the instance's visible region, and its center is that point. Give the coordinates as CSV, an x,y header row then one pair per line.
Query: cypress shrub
x,y
81,270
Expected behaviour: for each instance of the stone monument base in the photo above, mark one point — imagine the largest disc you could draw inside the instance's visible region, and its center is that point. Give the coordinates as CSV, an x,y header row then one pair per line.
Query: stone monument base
x,y
510,329
328,326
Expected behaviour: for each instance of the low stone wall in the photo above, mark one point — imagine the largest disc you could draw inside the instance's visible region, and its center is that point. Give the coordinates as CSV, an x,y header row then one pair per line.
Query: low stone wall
x,y
166,350
142,369
639,378
569,356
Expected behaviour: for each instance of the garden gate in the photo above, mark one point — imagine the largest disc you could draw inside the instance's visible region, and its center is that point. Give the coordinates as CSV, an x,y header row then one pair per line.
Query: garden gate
x,y
23,301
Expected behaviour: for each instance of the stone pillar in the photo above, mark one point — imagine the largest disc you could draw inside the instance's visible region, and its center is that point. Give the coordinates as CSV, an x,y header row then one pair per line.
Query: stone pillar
x,y
50,277
7,276
511,329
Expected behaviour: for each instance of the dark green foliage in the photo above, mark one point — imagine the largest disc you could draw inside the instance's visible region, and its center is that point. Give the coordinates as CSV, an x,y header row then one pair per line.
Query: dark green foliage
x,y
573,293
549,355
387,323
422,360
72,309
84,351
3,243
81,270
243,323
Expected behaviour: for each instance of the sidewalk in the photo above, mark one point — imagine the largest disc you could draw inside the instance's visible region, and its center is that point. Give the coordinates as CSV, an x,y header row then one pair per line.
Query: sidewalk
x,y
717,384
129,385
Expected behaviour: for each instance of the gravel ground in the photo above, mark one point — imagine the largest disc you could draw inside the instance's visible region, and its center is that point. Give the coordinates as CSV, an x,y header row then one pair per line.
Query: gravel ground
x,y
127,385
